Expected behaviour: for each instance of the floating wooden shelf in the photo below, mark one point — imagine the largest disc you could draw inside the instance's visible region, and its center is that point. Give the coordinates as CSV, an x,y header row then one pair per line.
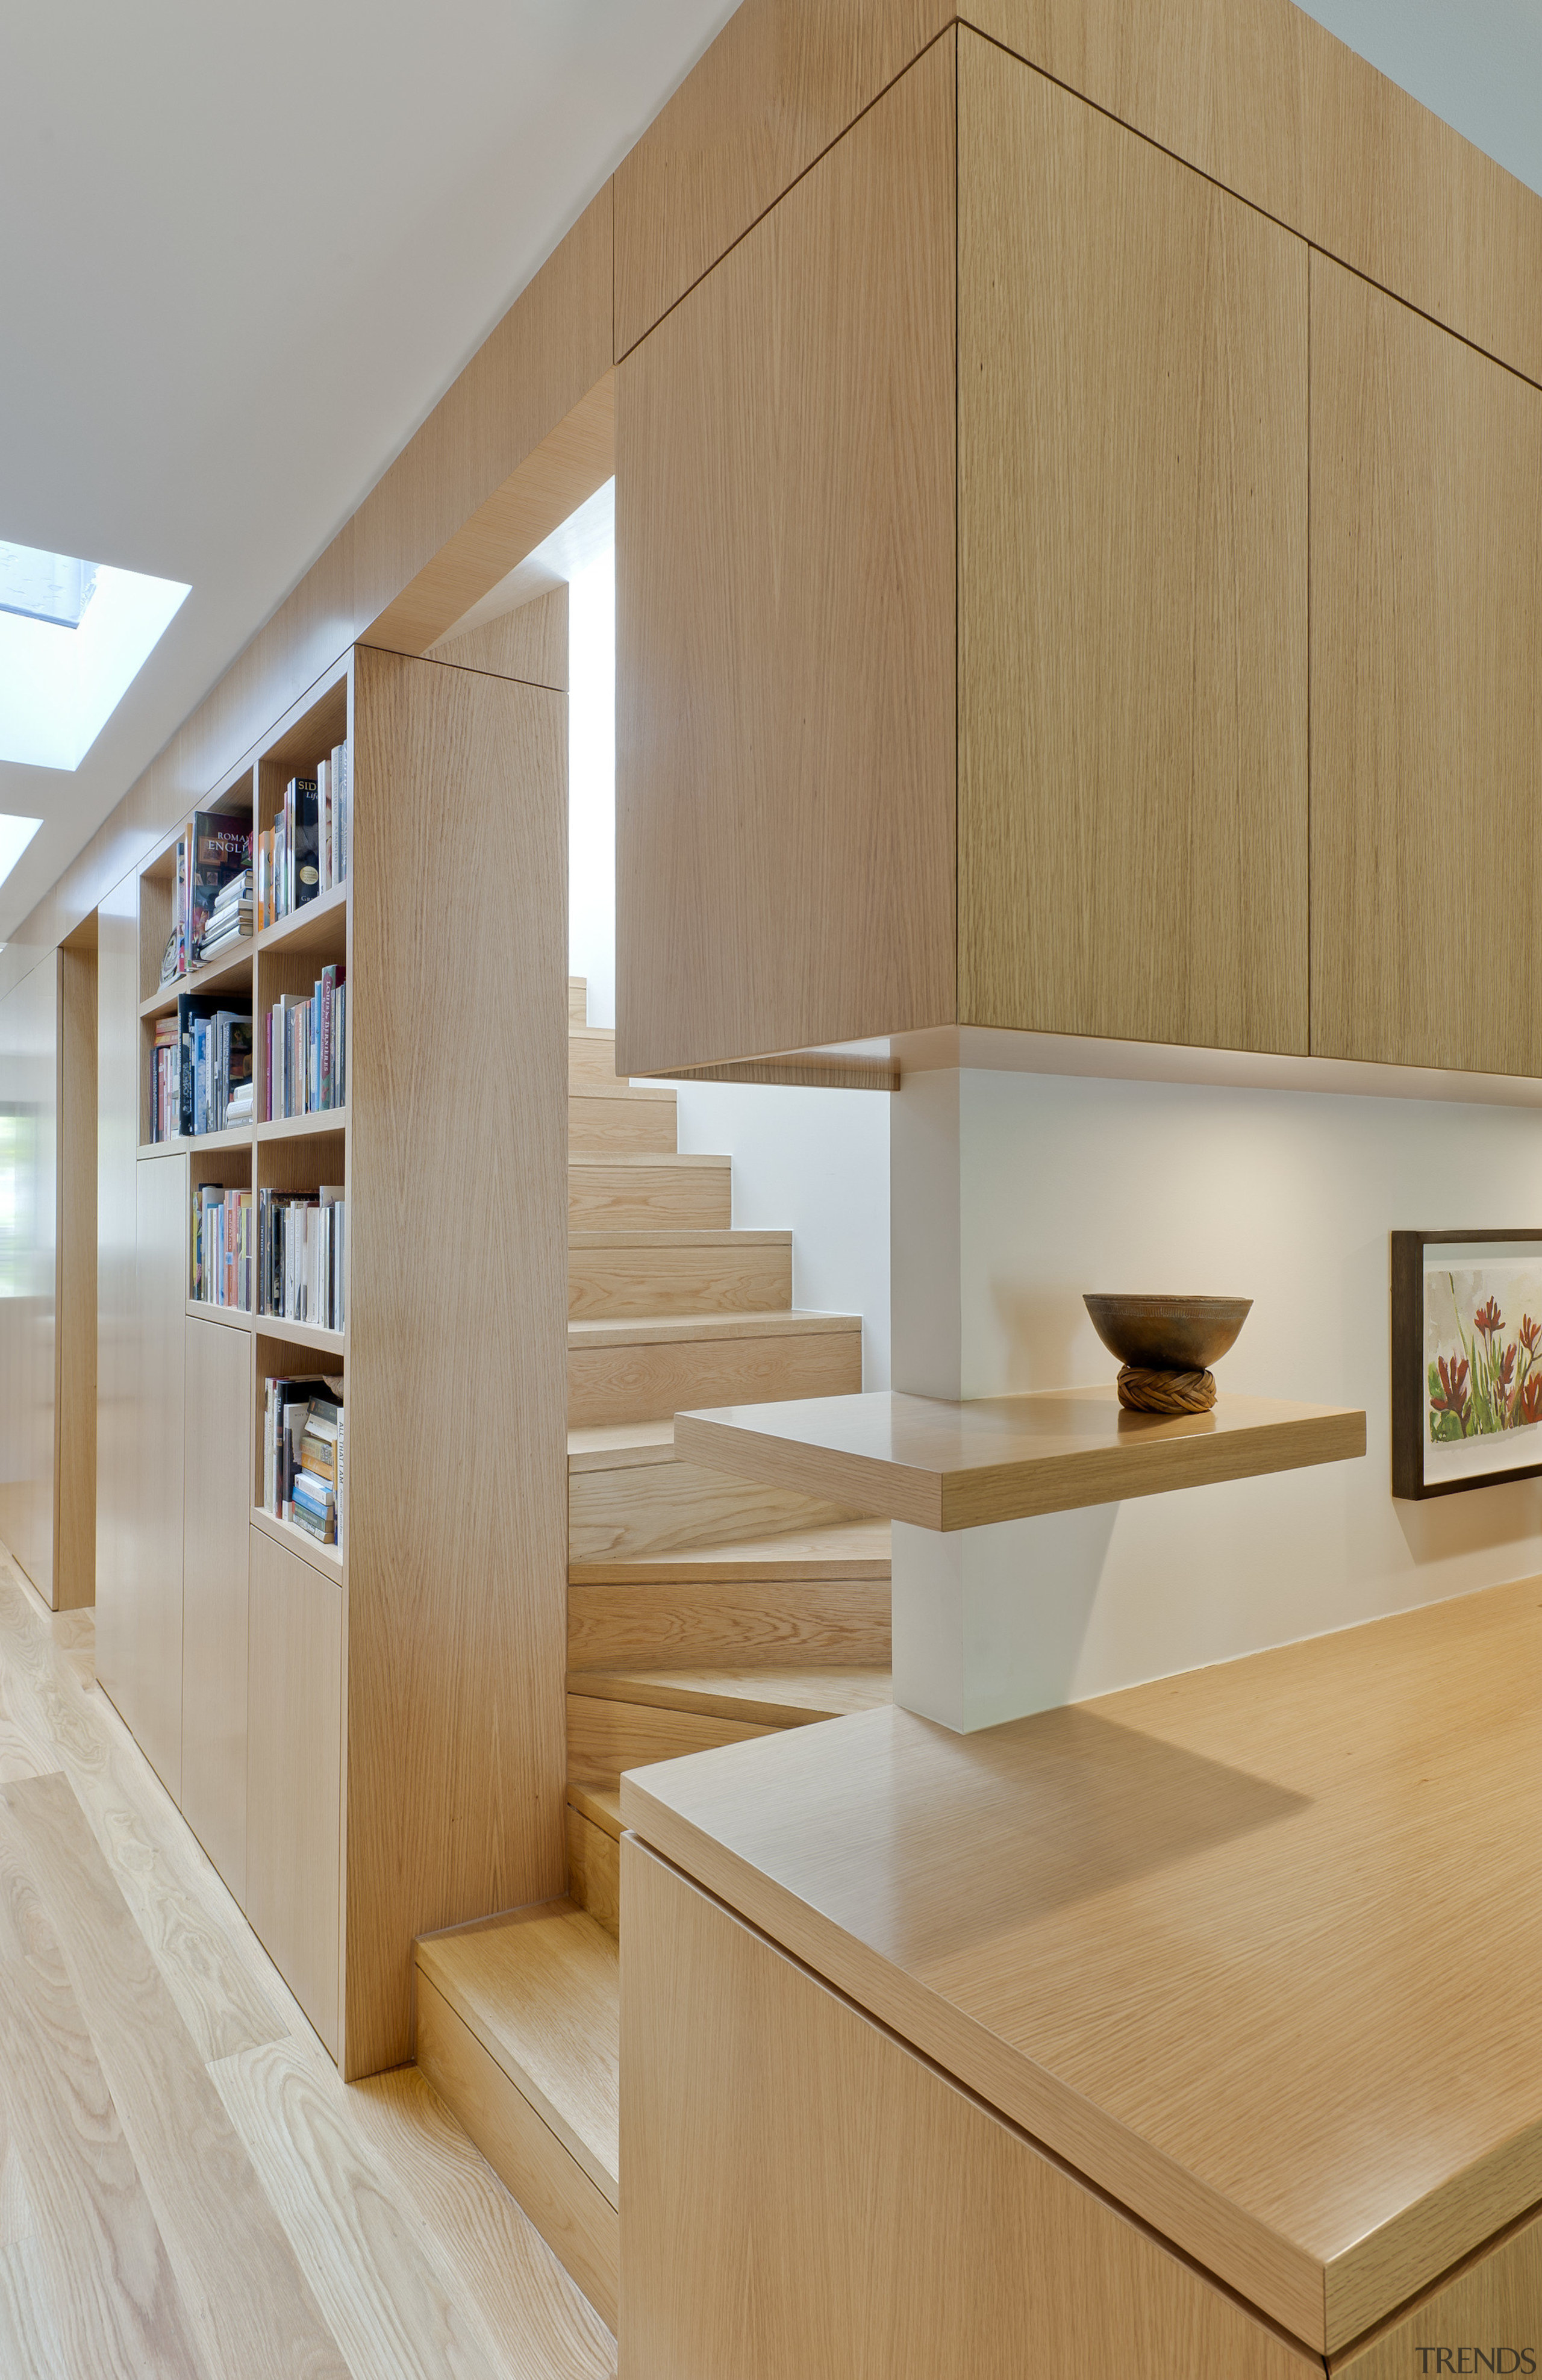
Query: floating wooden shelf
x,y
302,1334
957,1466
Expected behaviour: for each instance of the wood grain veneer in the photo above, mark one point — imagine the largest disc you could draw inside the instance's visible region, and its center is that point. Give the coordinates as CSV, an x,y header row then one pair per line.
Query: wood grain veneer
x,y
1427,654
138,1631
816,1624
960,1466
640,1370
636,1509
620,1273
606,1737
1262,100
1303,1857
594,1869
578,2223
217,1376
529,642
1132,750
1493,2299
785,616
117,1134
296,1717
29,1314
75,1338
887,2226
456,1552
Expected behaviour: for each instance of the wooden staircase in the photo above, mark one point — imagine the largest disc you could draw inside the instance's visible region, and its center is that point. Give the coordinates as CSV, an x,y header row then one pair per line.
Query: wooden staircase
x,y
700,1612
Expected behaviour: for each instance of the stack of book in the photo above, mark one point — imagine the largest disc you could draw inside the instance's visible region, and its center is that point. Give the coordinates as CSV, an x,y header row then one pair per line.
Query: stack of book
x,y
302,1255
213,850
305,851
165,1081
202,1076
305,1049
230,920
224,1249
304,1442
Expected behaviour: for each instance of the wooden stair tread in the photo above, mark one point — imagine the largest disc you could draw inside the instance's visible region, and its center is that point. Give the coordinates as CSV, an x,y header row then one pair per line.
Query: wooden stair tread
x,y
654,1331
702,1236
615,1445
652,1161
599,1803
621,1089
540,1988
851,1550
771,1697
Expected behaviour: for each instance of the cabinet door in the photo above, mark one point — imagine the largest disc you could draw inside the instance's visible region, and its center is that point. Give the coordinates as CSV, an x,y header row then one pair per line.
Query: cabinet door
x,y
294,1775
138,1624
1133,484
1426,690
217,1525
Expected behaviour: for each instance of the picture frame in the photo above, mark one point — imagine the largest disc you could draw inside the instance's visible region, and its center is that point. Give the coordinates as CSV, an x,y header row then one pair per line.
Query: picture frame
x,y
1466,1360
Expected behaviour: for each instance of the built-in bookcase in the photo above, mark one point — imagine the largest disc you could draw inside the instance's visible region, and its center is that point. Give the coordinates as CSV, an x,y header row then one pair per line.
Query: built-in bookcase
x,y
369,1738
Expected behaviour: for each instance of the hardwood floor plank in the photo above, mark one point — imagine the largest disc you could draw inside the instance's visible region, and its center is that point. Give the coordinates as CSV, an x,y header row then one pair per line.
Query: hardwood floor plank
x,y
211,1961
396,2312
120,2310
31,2342
494,2253
245,2290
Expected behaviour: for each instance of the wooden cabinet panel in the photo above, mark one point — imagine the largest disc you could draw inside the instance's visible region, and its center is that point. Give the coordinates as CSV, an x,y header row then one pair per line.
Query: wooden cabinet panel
x,y
785,617
1133,486
294,1775
217,1524
75,1347
1427,690
773,2145
118,1448
457,1345
1494,2301
138,1624
29,1238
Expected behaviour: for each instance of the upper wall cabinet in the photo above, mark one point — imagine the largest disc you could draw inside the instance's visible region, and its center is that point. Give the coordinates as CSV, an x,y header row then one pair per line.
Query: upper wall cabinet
x,y
1427,690
961,599
1132,521
785,615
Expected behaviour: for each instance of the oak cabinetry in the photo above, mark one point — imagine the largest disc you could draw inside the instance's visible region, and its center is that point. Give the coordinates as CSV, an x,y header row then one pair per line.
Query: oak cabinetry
x,y
1132,527
999,374
423,1658
118,1448
216,1525
295,1776
139,1619
1426,690
886,2224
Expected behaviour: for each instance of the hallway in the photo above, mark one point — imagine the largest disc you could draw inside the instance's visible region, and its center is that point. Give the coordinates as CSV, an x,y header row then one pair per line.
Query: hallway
x,y
185,2186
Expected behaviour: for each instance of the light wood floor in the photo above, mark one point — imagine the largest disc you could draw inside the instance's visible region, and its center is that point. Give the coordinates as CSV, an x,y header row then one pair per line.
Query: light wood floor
x,y
186,2187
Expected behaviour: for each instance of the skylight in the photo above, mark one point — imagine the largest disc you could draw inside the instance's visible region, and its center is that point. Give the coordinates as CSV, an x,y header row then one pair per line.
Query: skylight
x,y
53,588
73,637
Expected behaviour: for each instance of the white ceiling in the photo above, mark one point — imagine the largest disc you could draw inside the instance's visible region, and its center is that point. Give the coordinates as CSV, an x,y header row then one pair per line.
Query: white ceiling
x,y
246,251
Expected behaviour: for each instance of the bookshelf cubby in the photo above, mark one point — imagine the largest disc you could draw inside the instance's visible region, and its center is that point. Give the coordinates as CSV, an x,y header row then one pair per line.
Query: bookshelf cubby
x,y
369,1737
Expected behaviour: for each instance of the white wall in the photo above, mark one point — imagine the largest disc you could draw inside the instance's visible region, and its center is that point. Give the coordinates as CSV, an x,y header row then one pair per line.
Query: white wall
x,y
815,1164
1069,1185
1477,65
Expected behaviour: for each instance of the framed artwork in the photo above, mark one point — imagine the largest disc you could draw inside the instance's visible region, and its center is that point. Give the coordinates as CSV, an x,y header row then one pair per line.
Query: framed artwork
x,y
1466,1360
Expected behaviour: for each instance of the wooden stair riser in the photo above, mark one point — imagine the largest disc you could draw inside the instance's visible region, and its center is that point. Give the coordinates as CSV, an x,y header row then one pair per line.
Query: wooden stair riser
x,y
704,1277
591,1059
626,1195
643,1508
594,1870
574,2217
833,1622
605,1737
621,1122
650,1381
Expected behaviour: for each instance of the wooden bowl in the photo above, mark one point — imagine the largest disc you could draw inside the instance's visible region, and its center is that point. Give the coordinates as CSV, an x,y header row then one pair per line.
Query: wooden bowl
x,y
1168,1334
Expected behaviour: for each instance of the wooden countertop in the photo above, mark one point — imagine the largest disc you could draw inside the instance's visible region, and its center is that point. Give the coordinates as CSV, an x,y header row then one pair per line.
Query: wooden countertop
x,y
1258,1949
954,1466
